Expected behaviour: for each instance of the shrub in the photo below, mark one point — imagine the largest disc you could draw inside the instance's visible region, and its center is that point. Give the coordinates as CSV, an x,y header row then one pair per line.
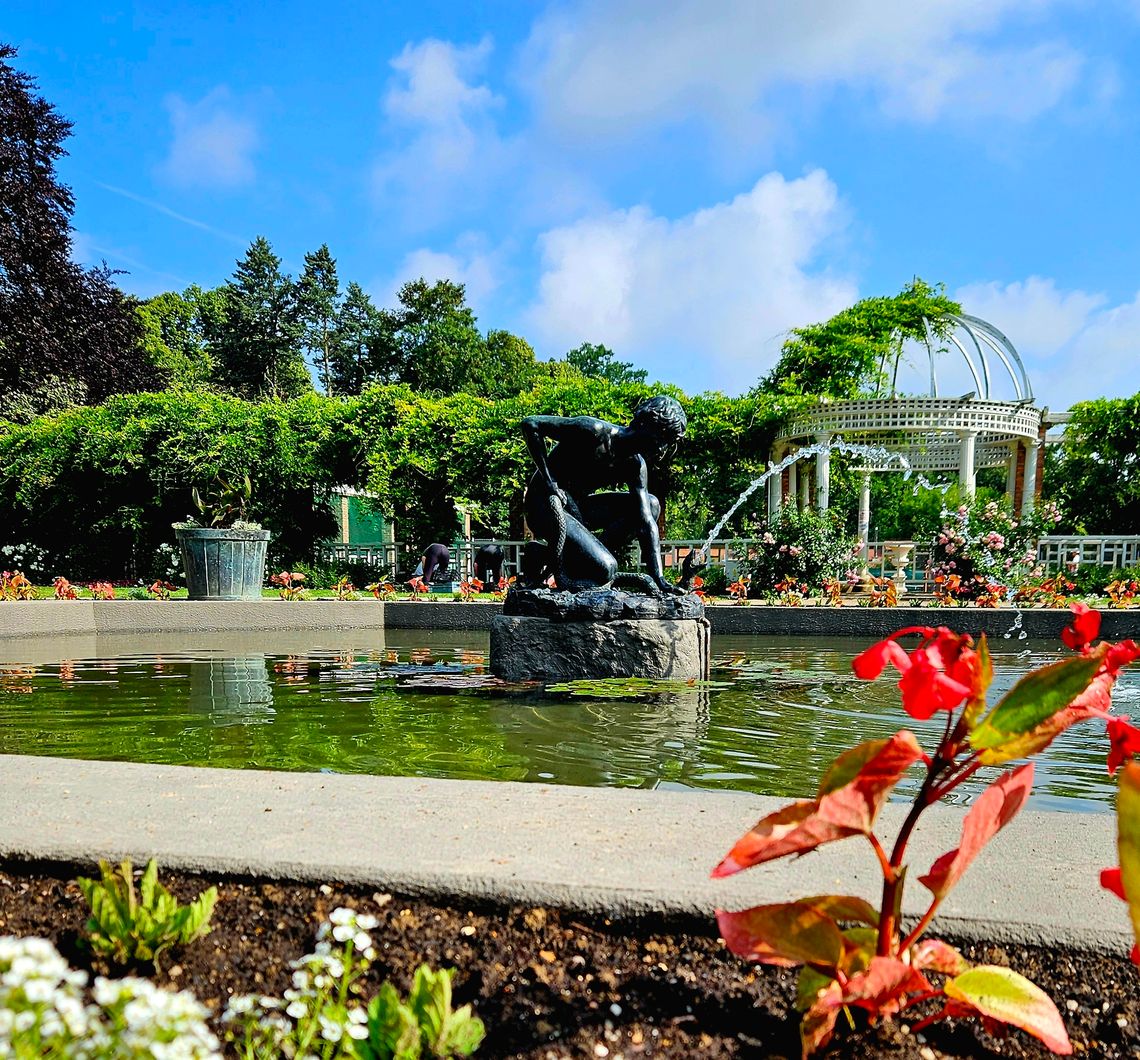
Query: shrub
x,y
989,548
806,546
126,925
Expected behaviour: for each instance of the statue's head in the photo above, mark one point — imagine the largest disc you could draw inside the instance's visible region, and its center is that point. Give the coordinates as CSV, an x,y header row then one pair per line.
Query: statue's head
x,y
661,422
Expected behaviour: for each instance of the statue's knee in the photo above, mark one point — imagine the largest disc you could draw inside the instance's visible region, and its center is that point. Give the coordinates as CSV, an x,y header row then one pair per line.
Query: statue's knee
x,y
654,507
609,569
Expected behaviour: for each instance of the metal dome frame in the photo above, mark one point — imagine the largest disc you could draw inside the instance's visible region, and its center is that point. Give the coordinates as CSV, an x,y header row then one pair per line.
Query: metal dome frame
x,y
931,433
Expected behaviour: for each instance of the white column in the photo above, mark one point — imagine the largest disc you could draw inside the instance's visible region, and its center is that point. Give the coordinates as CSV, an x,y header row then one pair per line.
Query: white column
x,y
1011,474
804,484
865,514
1029,482
773,494
792,484
823,473
966,476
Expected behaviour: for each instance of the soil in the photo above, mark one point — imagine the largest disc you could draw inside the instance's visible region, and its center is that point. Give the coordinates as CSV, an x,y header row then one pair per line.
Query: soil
x,y
551,984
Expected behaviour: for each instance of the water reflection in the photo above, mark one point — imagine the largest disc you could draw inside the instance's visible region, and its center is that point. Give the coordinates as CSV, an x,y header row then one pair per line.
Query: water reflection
x,y
232,691
338,701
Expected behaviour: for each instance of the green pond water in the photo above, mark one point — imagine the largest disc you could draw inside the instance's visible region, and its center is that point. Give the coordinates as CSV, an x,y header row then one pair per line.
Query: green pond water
x,y
346,702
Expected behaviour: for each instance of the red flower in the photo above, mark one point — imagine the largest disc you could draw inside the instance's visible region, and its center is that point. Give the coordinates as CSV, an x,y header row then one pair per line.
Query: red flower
x,y
941,672
927,690
1125,742
1110,880
1121,655
871,663
1083,630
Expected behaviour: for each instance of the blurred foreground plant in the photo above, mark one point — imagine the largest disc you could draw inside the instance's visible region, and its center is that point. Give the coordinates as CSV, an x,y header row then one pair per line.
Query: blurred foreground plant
x,y
872,963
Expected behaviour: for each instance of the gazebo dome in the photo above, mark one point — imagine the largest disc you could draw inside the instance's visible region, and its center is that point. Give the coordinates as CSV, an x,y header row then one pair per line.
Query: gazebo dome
x,y
977,411
989,363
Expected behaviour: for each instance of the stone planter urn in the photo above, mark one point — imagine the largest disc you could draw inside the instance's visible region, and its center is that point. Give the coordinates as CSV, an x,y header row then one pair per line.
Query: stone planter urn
x,y
223,564
897,553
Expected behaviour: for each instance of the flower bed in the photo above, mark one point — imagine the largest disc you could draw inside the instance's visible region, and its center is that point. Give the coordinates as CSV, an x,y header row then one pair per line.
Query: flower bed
x,y
552,984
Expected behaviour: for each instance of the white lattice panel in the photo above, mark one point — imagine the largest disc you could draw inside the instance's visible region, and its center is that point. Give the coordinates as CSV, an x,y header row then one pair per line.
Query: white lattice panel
x,y
872,418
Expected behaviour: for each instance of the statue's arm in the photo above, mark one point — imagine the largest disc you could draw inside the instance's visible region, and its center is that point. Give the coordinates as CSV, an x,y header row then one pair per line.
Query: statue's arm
x,y
648,537
537,430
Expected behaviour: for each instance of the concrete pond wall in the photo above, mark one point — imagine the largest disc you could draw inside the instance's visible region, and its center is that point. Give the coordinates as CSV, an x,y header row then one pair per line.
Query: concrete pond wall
x,y
56,617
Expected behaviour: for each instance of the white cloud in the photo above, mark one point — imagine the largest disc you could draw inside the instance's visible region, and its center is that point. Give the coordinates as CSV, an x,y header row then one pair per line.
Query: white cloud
x,y
434,91
702,300
610,67
1074,344
212,145
1042,318
470,264
446,146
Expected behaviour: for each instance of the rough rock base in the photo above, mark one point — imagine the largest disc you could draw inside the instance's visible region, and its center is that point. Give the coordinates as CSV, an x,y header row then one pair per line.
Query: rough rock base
x,y
525,648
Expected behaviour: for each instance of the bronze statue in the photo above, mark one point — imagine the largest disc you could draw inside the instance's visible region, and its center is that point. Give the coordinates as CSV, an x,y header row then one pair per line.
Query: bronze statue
x,y
581,526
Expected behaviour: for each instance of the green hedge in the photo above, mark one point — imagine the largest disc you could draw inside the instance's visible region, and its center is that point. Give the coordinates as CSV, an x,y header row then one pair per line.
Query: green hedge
x,y
99,487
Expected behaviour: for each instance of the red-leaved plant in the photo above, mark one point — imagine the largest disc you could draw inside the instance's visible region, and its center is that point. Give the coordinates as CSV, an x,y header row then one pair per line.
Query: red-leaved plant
x,y
854,956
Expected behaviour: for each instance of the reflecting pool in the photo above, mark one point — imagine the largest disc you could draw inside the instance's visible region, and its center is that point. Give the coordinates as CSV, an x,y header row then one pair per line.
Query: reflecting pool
x,y
344,702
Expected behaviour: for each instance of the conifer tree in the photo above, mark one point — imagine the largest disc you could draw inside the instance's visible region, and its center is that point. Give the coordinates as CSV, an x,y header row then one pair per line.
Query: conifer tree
x,y
318,300
357,327
257,347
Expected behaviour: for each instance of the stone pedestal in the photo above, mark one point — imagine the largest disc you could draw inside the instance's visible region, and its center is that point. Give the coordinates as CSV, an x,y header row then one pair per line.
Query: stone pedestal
x,y
549,636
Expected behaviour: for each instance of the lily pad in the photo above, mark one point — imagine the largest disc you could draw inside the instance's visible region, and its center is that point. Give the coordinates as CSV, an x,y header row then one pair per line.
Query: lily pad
x,y
632,687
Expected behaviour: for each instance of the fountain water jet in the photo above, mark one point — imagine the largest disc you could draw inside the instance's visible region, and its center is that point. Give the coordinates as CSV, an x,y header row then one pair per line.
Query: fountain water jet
x,y
877,453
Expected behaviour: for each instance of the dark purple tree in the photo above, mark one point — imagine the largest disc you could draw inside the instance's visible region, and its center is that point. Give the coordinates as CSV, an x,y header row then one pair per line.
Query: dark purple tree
x,y
60,324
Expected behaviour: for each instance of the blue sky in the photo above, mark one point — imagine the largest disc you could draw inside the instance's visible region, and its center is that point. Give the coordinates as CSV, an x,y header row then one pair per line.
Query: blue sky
x,y
681,181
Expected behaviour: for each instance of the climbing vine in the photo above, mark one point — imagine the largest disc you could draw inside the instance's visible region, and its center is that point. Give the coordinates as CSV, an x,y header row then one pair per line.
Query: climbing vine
x,y
858,350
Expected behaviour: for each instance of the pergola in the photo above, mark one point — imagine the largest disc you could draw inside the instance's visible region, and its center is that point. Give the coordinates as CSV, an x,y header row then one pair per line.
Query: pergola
x,y
995,425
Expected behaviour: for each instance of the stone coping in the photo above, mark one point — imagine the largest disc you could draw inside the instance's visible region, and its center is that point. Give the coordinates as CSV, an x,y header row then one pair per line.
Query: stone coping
x,y
55,617
621,853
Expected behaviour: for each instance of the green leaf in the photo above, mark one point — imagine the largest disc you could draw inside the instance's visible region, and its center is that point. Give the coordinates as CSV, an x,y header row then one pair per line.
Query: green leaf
x,y
1037,697
1003,995
430,1001
129,926
1128,839
393,1032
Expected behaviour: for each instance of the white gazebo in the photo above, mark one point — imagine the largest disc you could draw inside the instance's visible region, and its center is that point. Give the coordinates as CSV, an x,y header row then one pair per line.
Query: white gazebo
x,y
996,424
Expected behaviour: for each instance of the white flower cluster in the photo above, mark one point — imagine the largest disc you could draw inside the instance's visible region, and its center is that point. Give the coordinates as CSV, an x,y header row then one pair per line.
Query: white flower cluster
x,y
168,561
347,925
318,1005
142,1020
42,1012
41,997
29,559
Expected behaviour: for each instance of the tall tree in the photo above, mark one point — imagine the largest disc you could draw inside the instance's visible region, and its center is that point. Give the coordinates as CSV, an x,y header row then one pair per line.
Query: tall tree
x,y
354,333
431,340
58,320
509,367
598,361
318,299
258,346
175,334
1095,476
